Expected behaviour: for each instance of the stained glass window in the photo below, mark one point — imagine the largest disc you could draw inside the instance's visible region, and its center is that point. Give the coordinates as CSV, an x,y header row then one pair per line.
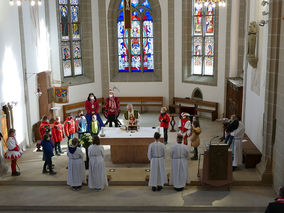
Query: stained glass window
x,y
203,36
70,33
136,46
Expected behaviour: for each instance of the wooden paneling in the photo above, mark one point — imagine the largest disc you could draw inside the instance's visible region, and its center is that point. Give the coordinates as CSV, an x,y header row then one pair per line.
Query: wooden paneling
x,y
234,98
4,129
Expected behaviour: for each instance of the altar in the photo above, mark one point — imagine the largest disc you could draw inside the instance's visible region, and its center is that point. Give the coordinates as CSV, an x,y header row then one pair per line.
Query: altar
x,y
129,147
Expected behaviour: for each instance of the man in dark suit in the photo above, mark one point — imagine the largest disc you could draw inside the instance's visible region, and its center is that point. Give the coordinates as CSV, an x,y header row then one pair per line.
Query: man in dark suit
x,y
278,205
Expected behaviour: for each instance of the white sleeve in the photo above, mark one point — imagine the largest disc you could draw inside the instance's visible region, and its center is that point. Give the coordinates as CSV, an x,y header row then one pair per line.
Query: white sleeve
x,y
149,152
11,143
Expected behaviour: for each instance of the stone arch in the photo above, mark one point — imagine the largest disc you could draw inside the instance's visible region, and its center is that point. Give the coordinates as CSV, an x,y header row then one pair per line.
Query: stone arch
x,y
197,94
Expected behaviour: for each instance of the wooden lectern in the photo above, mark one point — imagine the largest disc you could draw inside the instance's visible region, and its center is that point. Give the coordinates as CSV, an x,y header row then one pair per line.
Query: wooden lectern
x,y
217,166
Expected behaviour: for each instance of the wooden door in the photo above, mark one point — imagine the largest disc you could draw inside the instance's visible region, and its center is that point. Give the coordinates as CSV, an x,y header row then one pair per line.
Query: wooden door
x,y
4,129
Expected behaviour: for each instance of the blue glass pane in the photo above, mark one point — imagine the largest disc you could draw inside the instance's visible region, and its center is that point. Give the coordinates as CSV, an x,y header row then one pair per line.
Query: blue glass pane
x,y
134,3
146,4
136,63
148,45
62,1
147,16
141,10
147,28
122,47
121,32
64,31
75,13
123,63
63,13
148,63
120,18
135,46
121,5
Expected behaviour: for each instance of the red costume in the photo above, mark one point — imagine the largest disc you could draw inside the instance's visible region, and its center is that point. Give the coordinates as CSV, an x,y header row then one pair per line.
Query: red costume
x,y
69,126
42,128
185,127
163,118
57,132
14,152
92,108
112,105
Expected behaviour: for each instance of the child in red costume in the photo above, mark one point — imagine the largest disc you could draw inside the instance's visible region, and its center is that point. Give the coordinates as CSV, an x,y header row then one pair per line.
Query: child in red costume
x,y
69,127
43,125
14,152
57,135
164,120
185,126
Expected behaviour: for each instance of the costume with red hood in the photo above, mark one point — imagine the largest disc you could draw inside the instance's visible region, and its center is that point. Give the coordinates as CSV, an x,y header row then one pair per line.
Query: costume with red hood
x,y
57,136
69,127
185,126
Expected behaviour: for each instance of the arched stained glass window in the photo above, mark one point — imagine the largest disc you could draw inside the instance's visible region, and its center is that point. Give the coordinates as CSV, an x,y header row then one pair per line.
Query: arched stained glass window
x,y
70,34
136,46
203,36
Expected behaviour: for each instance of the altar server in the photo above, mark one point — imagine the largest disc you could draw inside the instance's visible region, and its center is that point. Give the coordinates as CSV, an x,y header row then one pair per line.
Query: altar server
x,y
179,172
14,152
156,155
97,173
237,144
185,127
76,166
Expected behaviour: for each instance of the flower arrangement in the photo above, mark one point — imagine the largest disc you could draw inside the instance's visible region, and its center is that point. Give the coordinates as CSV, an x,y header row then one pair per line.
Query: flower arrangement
x,y
85,141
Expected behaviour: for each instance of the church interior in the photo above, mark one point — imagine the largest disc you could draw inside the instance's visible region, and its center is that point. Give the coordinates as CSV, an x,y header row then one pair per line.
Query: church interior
x,y
127,70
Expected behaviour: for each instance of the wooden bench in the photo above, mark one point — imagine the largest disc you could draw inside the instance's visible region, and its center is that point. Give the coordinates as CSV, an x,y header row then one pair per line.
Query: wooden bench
x,y
201,106
251,155
142,102
75,107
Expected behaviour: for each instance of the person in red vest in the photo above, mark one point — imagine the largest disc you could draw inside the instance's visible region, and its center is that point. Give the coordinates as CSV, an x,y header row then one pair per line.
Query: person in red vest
x,y
69,127
57,135
164,120
185,127
92,108
112,109
43,125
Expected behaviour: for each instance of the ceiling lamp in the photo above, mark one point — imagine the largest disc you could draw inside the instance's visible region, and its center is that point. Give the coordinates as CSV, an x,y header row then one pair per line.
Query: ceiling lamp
x,y
221,3
19,2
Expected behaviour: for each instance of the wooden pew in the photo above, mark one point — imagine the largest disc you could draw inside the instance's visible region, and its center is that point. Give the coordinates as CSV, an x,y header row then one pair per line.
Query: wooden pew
x,y
75,107
201,106
251,155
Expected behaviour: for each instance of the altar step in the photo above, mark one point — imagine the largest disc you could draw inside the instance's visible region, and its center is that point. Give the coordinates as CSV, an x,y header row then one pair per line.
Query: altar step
x,y
126,209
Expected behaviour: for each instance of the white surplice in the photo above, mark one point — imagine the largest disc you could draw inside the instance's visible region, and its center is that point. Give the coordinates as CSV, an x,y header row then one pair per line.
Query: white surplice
x,y
156,155
179,171
237,144
76,168
97,173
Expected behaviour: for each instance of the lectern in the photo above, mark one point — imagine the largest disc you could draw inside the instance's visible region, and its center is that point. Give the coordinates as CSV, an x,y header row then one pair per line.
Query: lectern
x,y
217,166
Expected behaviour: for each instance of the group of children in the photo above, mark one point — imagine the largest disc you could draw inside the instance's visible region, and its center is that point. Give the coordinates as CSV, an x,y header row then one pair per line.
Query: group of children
x,y
187,129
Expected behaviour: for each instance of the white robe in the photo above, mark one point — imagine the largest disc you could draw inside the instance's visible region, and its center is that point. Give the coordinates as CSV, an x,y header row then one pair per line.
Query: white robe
x,y
11,145
156,155
179,171
97,173
237,145
76,168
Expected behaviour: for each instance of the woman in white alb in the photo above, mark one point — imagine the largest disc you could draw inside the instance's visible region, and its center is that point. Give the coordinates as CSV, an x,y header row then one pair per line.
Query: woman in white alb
x,y
97,174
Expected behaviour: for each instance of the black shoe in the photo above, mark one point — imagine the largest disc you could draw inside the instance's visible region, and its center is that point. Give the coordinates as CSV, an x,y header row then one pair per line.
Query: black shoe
x,y
16,173
194,158
154,188
52,173
179,189
44,171
159,188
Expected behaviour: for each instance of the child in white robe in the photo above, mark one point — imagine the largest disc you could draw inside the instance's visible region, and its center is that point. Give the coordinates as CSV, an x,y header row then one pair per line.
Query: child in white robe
x,y
76,166
97,174
156,155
